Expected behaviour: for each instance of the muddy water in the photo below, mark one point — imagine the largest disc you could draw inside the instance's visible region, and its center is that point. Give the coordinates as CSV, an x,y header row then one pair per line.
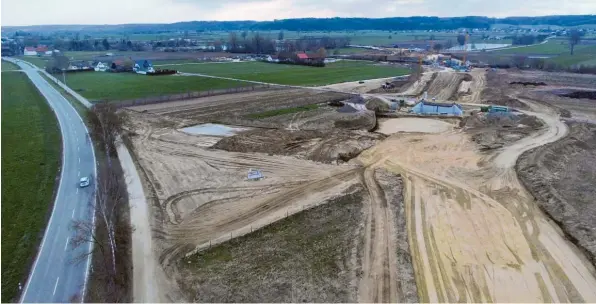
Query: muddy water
x,y
474,232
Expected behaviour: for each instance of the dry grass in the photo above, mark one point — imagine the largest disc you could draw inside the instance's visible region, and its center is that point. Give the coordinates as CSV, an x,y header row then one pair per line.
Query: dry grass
x,y
308,257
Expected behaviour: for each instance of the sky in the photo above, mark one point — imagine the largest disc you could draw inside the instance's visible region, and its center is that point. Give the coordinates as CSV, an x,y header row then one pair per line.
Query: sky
x,y
38,12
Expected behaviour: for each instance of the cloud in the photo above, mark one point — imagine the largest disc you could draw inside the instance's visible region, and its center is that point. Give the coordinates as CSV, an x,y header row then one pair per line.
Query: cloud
x,y
29,12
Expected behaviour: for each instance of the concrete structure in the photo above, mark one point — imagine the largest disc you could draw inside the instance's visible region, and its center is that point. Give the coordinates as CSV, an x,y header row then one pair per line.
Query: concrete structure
x,y
433,108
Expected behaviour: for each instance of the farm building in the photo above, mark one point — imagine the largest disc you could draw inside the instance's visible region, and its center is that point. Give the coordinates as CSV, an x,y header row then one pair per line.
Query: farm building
x,y
143,67
30,51
101,67
433,108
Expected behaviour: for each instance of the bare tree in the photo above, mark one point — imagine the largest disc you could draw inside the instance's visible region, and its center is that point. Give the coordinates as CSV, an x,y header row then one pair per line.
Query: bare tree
x,y
110,201
280,35
244,34
437,47
461,39
233,39
574,38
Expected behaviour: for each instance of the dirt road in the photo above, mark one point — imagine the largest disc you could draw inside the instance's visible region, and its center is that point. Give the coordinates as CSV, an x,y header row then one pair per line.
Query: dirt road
x,y
379,267
474,232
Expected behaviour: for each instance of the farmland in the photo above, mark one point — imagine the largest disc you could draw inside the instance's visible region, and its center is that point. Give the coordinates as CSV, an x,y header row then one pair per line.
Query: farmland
x,y
29,170
341,71
120,86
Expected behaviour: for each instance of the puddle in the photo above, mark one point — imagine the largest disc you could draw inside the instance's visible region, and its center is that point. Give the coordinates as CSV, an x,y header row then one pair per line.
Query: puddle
x,y
213,129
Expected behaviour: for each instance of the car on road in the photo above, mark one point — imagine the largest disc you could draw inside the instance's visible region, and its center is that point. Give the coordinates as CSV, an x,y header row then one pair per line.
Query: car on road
x,y
84,181
361,81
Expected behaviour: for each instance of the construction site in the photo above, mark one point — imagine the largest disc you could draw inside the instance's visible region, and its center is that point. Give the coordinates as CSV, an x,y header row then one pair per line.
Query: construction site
x,y
444,186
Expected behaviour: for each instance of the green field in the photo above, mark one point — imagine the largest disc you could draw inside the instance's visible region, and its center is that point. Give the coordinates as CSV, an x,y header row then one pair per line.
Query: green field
x,y
30,161
550,48
584,56
40,62
119,86
340,71
9,66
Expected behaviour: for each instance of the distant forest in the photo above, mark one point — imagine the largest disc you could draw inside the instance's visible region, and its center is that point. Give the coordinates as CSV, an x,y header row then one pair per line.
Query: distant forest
x,y
323,24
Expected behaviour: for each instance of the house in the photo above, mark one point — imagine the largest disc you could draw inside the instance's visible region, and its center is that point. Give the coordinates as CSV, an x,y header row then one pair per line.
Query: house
x,y
30,51
432,108
143,67
120,66
41,49
302,57
272,58
101,67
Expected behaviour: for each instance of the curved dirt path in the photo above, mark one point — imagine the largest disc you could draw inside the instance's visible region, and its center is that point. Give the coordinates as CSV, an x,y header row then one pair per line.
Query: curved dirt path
x,y
475,233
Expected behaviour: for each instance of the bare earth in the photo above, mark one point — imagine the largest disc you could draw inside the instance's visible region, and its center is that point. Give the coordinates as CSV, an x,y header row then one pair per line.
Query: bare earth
x,y
473,231
424,125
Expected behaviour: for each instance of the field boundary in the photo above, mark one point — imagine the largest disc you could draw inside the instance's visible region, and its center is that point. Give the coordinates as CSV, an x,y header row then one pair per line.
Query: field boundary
x,y
184,96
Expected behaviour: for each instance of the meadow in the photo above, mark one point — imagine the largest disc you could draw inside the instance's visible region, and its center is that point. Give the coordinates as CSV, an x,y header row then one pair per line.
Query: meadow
x,y
341,71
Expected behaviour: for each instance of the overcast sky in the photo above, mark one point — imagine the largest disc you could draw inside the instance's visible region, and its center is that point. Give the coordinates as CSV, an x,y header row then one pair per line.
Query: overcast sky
x,y
35,12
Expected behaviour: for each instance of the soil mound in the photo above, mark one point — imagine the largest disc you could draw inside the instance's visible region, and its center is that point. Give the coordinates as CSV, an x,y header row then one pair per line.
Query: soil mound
x,y
326,147
581,94
494,130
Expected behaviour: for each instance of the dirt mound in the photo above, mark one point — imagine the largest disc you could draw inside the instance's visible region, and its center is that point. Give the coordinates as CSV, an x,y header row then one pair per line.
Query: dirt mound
x,y
561,176
446,85
582,94
494,130
325,147
377,105
528,83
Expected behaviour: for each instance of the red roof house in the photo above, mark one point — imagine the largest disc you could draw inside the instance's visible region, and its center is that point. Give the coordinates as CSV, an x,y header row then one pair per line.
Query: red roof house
x,y
302,56
41,49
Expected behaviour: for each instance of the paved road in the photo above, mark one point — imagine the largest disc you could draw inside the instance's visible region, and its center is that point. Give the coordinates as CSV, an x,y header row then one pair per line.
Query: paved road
x,y
54,277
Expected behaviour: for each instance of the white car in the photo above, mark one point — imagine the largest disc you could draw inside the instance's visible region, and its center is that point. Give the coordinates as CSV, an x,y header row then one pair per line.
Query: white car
x,y
84,182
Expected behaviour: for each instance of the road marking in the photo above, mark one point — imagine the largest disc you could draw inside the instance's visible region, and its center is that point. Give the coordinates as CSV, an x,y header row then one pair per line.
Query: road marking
x,y
79,175
56,285
66,245
79,160
72,216
78,189
77,146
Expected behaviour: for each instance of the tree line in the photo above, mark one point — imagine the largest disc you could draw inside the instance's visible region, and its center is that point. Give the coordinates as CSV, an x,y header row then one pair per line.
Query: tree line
x,y
327,24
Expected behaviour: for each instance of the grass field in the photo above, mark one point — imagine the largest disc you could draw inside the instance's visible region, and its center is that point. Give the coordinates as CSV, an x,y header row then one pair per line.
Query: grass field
x,y
30,161
9,66
340,71
303,258
550,48
119,86
584,56
40,62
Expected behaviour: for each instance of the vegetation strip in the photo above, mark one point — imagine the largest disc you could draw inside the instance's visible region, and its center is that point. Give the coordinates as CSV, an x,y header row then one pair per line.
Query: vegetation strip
x,y
30,162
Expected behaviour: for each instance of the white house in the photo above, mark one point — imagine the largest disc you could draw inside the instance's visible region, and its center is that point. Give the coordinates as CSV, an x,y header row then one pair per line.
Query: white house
x,y
273,58
30,51
143,67
101,67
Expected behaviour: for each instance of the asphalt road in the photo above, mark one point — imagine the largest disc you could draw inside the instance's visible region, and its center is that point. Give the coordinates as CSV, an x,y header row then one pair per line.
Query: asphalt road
x,y
55,277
